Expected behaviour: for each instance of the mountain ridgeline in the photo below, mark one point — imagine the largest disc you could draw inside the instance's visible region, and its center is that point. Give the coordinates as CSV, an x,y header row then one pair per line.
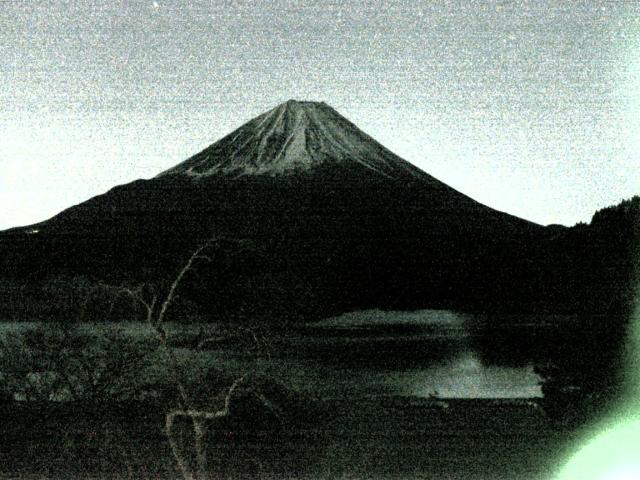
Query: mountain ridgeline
x,y
314,217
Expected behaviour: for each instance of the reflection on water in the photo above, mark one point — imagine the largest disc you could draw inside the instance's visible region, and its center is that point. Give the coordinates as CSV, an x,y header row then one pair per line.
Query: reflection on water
x,y
466,376
462,376
418,354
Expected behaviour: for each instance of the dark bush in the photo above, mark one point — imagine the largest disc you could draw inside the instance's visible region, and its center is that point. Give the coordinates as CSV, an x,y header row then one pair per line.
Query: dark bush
x,y
58,362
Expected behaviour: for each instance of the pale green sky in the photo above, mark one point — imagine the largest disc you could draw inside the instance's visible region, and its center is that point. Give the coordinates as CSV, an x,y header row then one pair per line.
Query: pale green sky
x,y
531,107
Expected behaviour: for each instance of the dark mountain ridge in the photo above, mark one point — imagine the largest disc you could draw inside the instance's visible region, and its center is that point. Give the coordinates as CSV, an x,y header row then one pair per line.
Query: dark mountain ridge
x,y
316,217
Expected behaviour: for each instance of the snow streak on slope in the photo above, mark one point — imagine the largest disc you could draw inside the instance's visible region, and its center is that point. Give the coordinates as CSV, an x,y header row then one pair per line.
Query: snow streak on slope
x,y
296,137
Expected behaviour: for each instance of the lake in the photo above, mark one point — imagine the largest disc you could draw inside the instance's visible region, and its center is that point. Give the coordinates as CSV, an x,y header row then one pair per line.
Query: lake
x,y
386,353
422,353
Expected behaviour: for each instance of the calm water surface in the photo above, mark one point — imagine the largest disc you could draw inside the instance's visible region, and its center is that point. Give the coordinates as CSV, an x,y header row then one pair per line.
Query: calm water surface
x,y
420,353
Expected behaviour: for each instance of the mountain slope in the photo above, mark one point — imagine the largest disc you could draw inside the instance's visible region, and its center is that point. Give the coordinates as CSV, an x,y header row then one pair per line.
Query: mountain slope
x,y
328,220
297,157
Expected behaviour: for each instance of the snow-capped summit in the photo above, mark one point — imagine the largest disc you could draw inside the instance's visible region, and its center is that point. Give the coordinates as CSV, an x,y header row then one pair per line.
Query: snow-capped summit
x,y
296,136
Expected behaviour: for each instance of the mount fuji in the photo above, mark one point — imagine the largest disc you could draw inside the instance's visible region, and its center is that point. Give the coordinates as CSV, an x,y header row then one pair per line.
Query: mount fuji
x,y
315,215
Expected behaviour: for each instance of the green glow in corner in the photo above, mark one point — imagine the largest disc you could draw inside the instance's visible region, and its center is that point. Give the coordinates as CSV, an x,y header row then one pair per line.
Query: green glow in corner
x,y
611,455
612,451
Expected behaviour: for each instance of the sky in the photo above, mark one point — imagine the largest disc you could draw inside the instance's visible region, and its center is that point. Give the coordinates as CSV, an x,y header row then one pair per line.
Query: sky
x,y
531,107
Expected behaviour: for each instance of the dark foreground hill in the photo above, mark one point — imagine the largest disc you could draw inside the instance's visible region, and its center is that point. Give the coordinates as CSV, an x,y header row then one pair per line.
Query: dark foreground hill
x,y
316,217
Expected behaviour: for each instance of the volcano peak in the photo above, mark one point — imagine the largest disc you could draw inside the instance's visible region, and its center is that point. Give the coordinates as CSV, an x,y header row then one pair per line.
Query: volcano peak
x,y
296,136
292,103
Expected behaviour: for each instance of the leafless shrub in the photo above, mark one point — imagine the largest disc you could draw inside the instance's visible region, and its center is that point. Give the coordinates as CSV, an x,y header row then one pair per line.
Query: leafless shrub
x,y
58,362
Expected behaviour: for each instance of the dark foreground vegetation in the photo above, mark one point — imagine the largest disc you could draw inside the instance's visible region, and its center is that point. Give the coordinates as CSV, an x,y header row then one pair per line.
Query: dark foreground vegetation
x,y
350,438
81,401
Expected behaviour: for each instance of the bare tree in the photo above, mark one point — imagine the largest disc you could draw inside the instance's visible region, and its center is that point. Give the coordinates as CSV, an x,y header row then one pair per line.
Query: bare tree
x,y
155,312
76,365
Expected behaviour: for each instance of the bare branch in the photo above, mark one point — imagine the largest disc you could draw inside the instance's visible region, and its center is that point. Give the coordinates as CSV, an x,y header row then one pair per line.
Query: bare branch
x,y
183,464
201,419
197,255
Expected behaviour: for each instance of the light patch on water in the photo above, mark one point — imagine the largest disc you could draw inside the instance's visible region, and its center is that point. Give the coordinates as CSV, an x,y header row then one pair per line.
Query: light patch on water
x,y
465,376
369,318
